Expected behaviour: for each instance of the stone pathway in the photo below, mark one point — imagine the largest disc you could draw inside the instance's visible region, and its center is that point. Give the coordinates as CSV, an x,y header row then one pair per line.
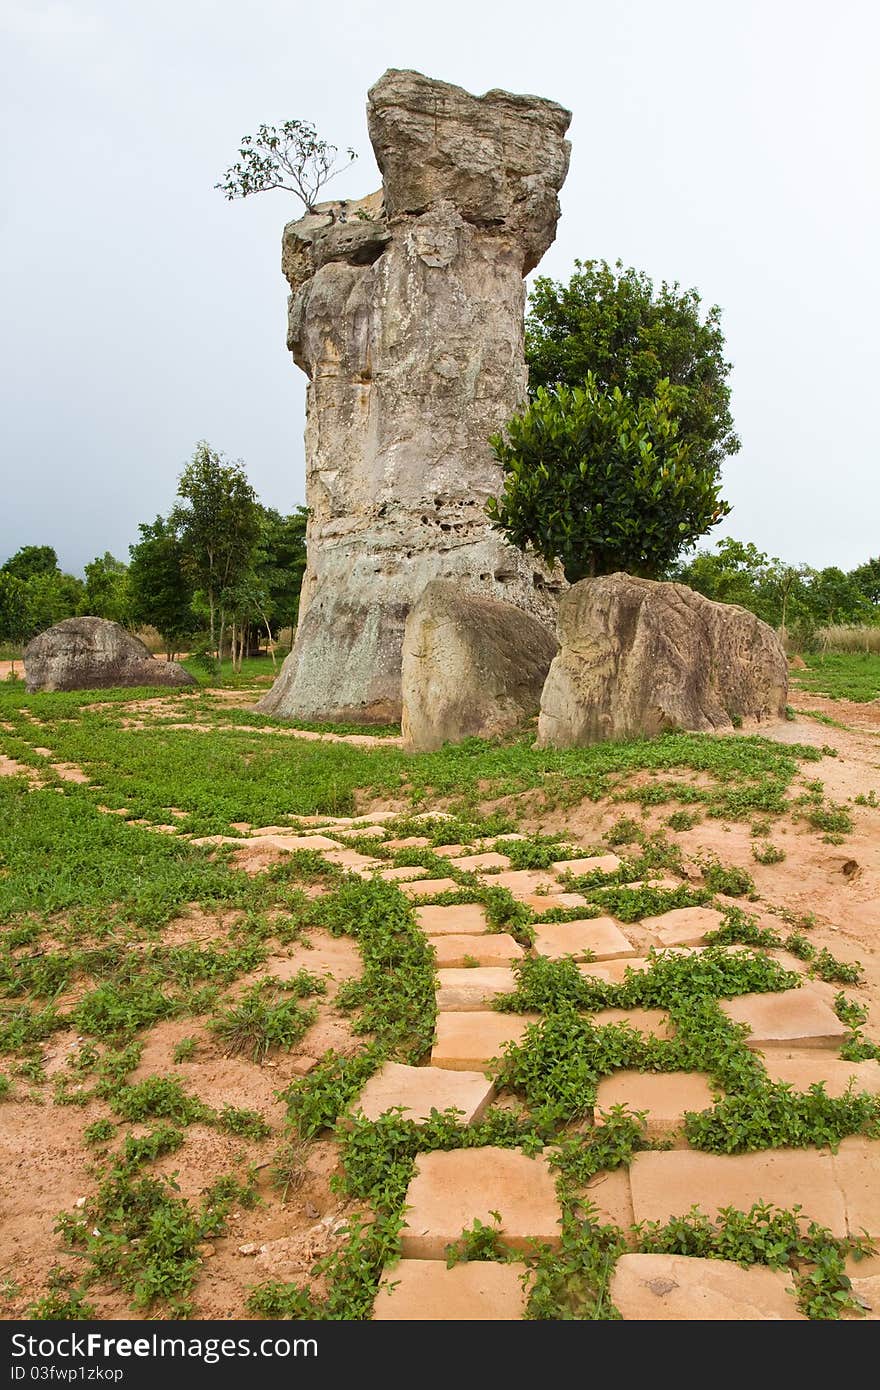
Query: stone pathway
x,y
796,1031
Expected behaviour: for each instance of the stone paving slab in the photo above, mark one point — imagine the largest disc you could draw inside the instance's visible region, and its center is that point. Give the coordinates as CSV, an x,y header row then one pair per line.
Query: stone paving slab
x,y
680,1288
613,972
472,862
405,874
493,948
419,1090
664,1185
451,851
791,1016
429,887
463,990
651,1023
426,1291
803,1068
522,882
856,1167
409,842
470,1041
437,920
684,926
596,863
542,902
608,1193
666,1096
600,937
449,1190
352,832
350,859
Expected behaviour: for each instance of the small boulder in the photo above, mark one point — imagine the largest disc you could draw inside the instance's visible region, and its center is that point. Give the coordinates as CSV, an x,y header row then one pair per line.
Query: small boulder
x,y
641,658
472,666
95,654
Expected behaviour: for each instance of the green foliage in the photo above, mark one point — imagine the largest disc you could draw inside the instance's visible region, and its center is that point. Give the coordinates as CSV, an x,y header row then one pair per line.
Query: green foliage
x,y
160,590
290,156
106,593
263,1018
769,1236
733,882
774,1116
185,1050
601,482
614,323
101,1132
768,853
477,1242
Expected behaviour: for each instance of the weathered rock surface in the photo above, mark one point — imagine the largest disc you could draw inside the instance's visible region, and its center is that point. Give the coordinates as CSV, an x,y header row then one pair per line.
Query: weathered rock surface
x,y
472,666
680,1288
406,314
95,654
639,658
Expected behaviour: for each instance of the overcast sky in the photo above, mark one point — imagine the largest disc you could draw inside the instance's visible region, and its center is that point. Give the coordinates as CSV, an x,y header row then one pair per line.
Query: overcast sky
x,y
728,144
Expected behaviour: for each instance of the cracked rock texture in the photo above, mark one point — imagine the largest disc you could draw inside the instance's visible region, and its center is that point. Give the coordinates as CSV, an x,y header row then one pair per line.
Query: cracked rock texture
x,y
472,666
640,658
95,654
406,313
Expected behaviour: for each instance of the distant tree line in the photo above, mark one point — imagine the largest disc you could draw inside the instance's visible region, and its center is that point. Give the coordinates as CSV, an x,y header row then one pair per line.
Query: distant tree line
x,y
218,574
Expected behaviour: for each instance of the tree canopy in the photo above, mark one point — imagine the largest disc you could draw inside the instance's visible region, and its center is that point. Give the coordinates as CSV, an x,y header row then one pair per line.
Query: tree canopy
x,y
601,482
614,324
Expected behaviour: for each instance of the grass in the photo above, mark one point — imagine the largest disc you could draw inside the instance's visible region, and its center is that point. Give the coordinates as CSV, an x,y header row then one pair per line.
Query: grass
x,y
85,898
849,675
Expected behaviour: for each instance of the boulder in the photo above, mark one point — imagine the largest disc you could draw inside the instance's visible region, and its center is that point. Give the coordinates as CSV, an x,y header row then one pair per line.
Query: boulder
x,y
406,314
95,654
472,666
641,658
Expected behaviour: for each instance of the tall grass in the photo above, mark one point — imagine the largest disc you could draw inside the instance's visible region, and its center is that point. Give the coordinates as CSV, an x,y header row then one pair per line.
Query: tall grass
x,y
861,637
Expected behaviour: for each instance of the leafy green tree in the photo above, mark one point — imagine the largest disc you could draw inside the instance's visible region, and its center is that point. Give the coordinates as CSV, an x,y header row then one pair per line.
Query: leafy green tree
x,y
867,577
160,592
290,156
50,597
836,597
107,593
219,526
615,324
601,482
282,562
14,621
30,560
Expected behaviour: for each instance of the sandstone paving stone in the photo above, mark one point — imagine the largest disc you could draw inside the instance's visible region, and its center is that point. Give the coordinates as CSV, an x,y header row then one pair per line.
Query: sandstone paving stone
x,y
668,1184
600,937
285,840
613,972
450,1190
458,918
470,1041
493,948
791,1016
651,1023
596,863
429,887
684,926
542,902
523,882
426,1291
867,1294
680,1288
352,832
609,1194
419,1090
352,861
802,1068
471,862
402,875
461,990
409,842
856,1168
666,1096
451,851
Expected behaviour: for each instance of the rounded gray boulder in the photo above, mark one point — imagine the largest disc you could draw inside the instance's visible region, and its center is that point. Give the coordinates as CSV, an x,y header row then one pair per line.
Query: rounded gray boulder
x,y
95,654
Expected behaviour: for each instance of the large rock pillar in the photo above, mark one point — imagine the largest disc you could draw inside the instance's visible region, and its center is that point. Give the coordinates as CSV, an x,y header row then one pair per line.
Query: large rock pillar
x,y
406,313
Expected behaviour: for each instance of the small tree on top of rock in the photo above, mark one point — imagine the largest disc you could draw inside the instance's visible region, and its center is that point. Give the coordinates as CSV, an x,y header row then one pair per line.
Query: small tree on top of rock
x,y
601,482
290,156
